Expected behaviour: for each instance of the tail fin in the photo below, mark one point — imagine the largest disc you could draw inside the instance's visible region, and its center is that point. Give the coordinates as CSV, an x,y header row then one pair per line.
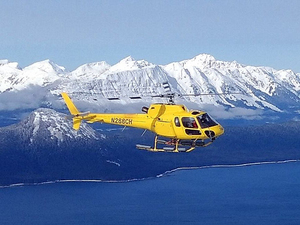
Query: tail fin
x,y
73,110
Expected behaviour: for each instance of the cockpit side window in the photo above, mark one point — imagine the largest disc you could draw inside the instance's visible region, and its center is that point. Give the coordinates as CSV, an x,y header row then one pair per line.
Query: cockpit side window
x,y
176,121
205,121
189,122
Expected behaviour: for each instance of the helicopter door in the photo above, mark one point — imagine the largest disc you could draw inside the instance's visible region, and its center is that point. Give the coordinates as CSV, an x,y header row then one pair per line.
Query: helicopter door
x,y
164,128
190,125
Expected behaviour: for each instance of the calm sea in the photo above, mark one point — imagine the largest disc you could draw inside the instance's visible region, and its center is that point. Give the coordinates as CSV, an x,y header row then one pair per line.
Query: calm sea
x,y
260,194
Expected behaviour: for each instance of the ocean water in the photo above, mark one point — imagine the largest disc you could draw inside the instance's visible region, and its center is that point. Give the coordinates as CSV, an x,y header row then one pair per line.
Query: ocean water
x,y
258,194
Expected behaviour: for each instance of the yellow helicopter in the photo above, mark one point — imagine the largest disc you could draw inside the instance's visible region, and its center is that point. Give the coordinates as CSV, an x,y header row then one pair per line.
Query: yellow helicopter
x,y
183,129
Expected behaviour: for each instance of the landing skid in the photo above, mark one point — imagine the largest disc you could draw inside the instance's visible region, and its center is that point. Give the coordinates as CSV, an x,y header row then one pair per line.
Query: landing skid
x,y
173,145
164,149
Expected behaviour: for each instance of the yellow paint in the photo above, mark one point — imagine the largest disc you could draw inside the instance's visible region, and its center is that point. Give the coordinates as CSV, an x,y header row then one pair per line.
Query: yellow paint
x,y
159,119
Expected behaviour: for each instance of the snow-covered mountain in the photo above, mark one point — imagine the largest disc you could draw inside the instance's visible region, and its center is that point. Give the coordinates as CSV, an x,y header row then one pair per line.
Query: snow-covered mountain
x,y
54,126
43,73
46,125
90,70
127,78
44,147
261,88
57,126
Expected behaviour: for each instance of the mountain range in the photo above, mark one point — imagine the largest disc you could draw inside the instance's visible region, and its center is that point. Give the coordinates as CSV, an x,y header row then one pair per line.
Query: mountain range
x,y
42,146
251,91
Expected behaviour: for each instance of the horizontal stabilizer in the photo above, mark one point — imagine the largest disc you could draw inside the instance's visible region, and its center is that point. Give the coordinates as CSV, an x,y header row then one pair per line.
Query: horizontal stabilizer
x,y
79,115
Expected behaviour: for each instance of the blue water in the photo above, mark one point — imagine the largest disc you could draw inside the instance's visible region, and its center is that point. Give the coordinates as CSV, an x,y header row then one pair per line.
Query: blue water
x,y
260,194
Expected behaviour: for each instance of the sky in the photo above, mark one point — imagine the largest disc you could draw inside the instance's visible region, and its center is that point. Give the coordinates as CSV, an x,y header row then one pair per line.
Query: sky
x,y
72,33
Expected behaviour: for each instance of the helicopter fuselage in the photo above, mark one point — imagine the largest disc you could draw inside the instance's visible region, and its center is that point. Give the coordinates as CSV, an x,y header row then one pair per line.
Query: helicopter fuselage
x,y
167,120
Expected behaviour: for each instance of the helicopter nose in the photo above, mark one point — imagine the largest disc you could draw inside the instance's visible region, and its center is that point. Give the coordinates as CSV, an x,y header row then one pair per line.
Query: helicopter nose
x,y
214,132
219,130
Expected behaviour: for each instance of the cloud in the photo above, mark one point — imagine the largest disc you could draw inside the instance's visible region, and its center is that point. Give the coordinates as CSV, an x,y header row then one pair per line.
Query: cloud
x,y
240,113
35,97
30,98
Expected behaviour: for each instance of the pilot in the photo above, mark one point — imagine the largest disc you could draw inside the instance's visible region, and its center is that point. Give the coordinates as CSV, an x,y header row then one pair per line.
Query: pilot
x,y
194,124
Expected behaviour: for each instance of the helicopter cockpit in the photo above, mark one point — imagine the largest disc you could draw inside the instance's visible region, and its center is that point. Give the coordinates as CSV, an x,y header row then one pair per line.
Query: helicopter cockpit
x,y
206,121
195,123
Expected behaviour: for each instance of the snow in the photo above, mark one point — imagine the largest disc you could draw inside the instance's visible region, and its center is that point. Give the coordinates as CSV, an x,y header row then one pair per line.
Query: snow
x,y
36,123
46,66
40,74
129,64
90,70
3,62
59,127
258,87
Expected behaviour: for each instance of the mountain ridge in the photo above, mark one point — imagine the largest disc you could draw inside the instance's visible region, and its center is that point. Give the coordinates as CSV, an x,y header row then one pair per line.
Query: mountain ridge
x,y
262,88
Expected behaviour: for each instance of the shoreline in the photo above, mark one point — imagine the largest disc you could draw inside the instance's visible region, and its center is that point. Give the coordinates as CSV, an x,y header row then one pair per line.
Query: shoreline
x,y
148,178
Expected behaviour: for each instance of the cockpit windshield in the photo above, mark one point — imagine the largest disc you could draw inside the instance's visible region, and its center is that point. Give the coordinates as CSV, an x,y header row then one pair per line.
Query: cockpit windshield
x,y
205,121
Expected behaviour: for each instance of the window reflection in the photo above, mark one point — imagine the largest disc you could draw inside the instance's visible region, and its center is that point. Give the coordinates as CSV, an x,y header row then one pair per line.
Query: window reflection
x,y
176,121
205,121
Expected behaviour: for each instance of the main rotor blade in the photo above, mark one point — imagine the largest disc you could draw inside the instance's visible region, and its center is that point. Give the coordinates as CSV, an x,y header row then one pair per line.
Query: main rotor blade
x,y
114,98
224,93
135,97
168,95
131,97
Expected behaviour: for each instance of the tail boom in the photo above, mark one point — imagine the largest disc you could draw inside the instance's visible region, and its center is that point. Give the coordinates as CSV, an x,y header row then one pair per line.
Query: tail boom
x,y
130,120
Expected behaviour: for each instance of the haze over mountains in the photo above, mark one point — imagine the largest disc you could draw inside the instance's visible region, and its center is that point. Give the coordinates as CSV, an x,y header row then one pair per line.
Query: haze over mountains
x,y
257,89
